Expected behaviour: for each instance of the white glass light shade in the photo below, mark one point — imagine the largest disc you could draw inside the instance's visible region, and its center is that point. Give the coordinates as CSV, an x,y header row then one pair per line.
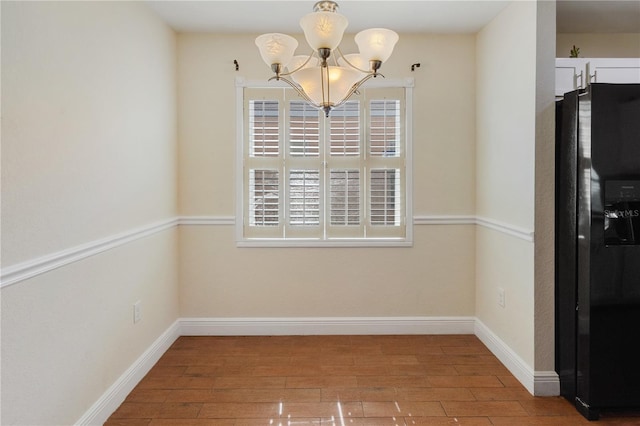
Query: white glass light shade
x,y
323,29
297,61
340,81
376,44
276,48
354,59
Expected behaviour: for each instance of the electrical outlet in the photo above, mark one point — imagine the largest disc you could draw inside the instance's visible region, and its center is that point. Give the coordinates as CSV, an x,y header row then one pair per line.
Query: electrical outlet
x,y
137,313
501,296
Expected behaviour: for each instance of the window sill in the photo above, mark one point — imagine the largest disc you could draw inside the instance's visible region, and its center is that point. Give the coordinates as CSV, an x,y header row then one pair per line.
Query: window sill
x,y
314,243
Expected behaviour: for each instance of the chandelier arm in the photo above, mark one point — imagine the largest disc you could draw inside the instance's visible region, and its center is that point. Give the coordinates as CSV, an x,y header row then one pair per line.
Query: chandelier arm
x,y
355,88
349,63
335,60
300,67
297,88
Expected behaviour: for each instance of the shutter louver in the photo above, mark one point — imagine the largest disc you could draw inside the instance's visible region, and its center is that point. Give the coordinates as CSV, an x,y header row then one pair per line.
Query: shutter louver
x,y
264,128
385,197
263,198
304,197
345,197
345,129
304,130
385,128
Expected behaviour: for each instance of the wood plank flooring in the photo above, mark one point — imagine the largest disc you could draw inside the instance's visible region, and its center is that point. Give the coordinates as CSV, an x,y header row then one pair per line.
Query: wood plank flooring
x,y
339,381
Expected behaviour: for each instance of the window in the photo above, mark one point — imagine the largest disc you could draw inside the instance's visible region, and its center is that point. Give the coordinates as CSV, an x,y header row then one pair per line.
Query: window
x,y
305,179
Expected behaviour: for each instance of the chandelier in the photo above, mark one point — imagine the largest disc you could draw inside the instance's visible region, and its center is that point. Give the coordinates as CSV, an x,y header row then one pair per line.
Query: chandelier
x,y
325,85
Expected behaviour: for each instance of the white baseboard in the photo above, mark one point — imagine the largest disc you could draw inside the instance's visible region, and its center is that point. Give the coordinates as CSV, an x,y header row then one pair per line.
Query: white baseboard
x,y
538,383
516,365
325,326
546,383
116,394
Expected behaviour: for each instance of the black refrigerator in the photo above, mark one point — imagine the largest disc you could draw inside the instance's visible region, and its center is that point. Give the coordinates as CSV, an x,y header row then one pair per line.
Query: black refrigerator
x,y
598,247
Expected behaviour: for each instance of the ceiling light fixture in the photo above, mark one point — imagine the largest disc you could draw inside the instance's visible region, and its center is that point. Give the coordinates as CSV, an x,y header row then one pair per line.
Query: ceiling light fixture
x,y
322,85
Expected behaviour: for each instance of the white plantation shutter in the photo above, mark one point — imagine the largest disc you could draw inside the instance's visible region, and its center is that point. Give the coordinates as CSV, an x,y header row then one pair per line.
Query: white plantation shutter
x,y
311,178
304,215
346,168
386,165
262,174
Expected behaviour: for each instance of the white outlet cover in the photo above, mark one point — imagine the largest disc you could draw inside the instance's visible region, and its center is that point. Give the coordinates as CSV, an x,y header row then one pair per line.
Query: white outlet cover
x,y
501,297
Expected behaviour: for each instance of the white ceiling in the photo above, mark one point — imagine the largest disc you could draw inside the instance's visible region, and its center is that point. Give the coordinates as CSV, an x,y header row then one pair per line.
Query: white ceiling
x,y
407,16
284,16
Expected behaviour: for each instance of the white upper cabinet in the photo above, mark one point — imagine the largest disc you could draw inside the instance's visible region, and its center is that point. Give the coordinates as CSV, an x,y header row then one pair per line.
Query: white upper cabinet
x,y
624,70
577,73
570,74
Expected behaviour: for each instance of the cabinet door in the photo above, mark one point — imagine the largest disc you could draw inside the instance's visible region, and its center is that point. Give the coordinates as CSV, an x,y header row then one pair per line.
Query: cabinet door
x,y
614,70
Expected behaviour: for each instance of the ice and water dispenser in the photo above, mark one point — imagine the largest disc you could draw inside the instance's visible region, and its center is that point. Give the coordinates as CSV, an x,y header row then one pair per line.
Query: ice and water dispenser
x,y
622,212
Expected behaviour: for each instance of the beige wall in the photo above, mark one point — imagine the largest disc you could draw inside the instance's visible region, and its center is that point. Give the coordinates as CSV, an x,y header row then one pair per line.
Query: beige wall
x,y
221,281
625,45
433,278
88,151
506,111
87,96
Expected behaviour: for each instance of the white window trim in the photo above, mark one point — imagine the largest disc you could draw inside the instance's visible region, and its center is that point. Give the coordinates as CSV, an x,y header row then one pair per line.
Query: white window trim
x,y
407,241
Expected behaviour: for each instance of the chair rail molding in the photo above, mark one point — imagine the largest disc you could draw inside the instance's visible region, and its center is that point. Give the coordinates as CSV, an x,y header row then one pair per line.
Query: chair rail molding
x,y
506,228
23,271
